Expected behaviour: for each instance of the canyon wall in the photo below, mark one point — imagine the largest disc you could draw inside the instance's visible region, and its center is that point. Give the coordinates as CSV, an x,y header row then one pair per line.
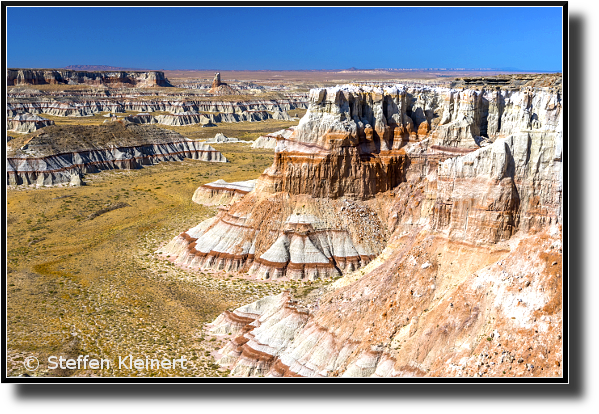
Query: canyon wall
x,y
218,111
465,279
58,155
26,123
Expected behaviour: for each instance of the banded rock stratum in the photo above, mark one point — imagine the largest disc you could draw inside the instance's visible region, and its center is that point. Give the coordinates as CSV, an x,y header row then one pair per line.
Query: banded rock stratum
x,y
140,79
62,154
442,210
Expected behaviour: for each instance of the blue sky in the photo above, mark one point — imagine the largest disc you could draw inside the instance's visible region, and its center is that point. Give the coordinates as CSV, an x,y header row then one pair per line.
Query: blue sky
x,y
286,38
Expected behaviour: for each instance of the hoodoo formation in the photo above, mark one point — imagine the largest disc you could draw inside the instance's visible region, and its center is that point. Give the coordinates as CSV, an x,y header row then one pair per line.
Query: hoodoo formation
x,y
221,88
441,208
62,154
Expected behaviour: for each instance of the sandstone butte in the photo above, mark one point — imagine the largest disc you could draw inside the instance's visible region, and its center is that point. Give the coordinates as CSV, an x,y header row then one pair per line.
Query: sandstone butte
x,y
442,211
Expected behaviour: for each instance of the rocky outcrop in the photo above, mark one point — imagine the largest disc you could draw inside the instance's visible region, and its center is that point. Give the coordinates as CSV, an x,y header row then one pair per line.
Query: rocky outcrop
x,y
63,154
194,118
467,278
356,143
513,81
221,193
221,88
274,236
142,79
309,216
141,118
26,123
223,139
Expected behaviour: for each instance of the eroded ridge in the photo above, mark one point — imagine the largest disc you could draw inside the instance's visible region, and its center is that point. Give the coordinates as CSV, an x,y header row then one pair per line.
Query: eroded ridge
x,y
469,282
229,111
62,154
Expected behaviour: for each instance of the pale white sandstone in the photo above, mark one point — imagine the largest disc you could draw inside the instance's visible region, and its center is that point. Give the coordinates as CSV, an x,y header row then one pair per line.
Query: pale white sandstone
x,y
220,138
509,183
270,140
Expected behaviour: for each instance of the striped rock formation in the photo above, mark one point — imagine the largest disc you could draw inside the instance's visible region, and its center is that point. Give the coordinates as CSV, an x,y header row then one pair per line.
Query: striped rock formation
x,y
469,282
26,123
220,138
62,154
87,107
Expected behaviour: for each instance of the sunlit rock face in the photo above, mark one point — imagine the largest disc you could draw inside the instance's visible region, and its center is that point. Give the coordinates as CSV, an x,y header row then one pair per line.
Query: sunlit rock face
x,y
58,154
441,208
352,156
313,213
26,123
180,112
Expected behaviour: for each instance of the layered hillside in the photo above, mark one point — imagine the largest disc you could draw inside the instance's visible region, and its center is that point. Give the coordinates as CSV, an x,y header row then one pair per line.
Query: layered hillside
x,y
442,210
62,154
217,111
26,123
139,79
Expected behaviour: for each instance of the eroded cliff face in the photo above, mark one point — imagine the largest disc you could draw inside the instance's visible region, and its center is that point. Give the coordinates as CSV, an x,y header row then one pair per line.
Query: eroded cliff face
x,y
26,123
313,213
182,113
442,211
140,79
470,280
63,154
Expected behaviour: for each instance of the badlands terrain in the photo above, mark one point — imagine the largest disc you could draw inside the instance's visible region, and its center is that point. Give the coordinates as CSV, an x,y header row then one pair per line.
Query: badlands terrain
x,y
284,225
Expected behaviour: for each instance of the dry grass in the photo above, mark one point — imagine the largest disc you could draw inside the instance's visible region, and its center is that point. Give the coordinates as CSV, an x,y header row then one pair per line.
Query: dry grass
x,y
77,285
80,286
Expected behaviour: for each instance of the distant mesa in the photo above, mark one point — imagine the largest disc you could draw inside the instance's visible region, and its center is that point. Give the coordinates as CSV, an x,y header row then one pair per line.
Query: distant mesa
x,y
111,78
96,68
